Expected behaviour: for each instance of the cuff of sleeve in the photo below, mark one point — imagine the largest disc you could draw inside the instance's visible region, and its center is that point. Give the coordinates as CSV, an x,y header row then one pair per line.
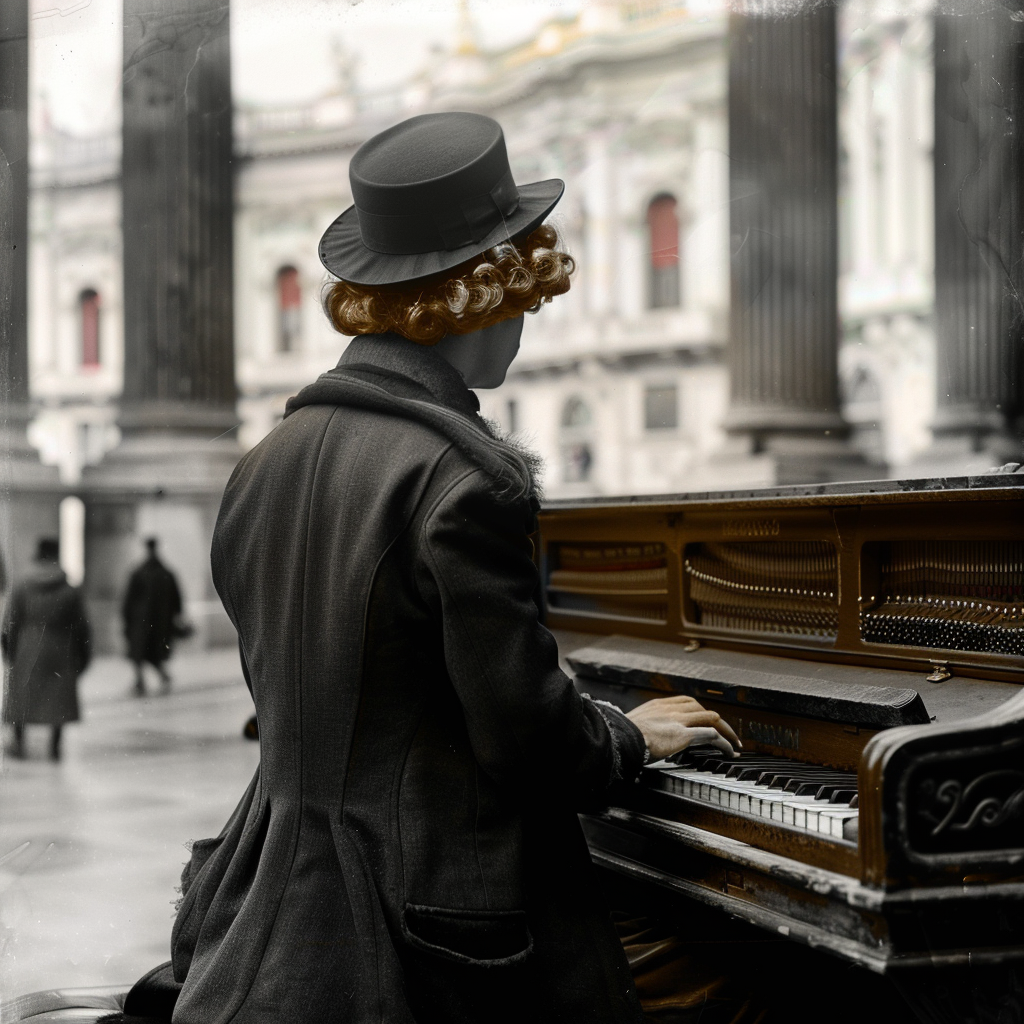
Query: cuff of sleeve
x,y
629,750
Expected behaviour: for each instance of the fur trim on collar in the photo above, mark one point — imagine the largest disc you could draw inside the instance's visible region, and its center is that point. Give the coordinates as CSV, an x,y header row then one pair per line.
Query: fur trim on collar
x,y
511,466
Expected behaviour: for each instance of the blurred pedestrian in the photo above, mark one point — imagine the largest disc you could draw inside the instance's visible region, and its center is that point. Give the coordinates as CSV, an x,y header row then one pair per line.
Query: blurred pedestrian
x,y
152,617
46,641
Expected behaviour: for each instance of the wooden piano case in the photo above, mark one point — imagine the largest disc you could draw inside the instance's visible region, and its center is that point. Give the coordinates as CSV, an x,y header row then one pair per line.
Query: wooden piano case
x,y
809,617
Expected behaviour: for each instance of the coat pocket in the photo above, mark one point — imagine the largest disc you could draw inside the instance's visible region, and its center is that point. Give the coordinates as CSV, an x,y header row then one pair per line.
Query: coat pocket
x,y
486,938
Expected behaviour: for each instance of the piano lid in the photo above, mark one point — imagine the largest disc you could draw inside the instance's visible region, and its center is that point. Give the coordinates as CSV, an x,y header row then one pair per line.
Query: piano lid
x,y
649,664
837,493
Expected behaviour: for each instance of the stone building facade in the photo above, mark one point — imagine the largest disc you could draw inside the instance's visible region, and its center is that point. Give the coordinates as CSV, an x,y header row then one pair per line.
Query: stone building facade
x,y
622,384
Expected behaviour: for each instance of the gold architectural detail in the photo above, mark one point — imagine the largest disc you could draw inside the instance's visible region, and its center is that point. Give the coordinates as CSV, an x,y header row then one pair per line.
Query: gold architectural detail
x,y
466,44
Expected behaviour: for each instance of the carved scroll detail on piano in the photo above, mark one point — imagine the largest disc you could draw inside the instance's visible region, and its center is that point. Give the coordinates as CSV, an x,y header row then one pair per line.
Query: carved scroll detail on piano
x,y
966,804
969,803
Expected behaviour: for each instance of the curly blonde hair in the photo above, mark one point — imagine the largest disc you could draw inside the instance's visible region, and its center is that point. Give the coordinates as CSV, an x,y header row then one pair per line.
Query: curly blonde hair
x,y
501,283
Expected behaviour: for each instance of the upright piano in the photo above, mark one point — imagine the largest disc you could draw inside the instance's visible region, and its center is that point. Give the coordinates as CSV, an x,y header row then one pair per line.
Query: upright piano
x,y
866,642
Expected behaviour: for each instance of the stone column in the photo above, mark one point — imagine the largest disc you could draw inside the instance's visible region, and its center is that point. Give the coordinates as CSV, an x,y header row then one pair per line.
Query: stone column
x,y
979,238
179,370
29,491
14,203
783,184
177,413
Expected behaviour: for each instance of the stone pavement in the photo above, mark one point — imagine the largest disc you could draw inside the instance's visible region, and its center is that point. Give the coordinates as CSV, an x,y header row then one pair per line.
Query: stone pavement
x,y
91,848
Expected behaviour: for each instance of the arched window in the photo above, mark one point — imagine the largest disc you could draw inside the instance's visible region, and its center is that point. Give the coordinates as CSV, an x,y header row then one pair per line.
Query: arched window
x,y
577,451
89,327
289,309
663,236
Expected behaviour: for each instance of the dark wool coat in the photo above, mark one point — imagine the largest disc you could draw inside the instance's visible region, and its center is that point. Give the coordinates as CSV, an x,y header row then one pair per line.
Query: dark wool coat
x,y
409,848
45,640
151,605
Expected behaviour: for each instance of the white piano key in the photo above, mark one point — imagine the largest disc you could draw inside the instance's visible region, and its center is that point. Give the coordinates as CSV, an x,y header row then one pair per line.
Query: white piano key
x,y
799,815
794,812
831,822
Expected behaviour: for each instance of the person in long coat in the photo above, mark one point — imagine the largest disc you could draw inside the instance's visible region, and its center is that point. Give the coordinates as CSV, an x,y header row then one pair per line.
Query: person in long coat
x,y
151,610
46,643
409,849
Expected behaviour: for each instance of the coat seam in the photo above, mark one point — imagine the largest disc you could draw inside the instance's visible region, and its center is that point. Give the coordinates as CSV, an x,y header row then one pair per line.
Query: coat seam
x,y
400,764
481,662
295,847
476,837
429,514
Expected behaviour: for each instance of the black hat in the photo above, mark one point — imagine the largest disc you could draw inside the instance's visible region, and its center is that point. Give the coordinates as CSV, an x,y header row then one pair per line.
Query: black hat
x,y
429,193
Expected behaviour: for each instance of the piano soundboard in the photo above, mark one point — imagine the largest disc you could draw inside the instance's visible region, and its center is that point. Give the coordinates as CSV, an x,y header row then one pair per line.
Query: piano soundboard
x,y
865,642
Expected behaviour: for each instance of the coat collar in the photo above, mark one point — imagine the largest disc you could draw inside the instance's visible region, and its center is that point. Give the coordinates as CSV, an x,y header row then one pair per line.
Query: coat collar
x,y
388,374
409,370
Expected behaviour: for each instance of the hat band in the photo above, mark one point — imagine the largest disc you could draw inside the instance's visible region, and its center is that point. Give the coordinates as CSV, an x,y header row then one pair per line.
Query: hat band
x,y
443,228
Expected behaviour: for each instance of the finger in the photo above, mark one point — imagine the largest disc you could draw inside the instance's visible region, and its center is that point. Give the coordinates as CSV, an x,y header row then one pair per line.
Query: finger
x,y
711,737
714,719
681,700
729,733
694,719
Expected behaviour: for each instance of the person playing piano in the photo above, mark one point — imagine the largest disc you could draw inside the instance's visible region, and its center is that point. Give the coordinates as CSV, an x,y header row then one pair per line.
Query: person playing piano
x,y
409,849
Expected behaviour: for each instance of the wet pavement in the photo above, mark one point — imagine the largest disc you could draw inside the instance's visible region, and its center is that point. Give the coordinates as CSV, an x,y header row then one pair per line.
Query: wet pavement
x,y
92,847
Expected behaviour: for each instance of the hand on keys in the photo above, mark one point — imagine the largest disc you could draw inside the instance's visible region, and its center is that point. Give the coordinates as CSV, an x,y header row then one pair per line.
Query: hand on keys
x,y
671,724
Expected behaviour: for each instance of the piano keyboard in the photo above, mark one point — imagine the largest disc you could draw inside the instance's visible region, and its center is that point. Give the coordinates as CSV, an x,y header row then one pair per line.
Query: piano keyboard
x,y
802,796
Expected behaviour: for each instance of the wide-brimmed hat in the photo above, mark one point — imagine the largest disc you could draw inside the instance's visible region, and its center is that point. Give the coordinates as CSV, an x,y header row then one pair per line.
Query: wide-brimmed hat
x,y
429,193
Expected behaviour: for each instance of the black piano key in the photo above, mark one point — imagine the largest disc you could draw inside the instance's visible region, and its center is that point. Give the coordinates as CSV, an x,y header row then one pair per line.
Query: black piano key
x,y
811,787
843,796
826,791
805,789
703,764
743,772
811,779
678,758
750,768
786,780
695,755
815,777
